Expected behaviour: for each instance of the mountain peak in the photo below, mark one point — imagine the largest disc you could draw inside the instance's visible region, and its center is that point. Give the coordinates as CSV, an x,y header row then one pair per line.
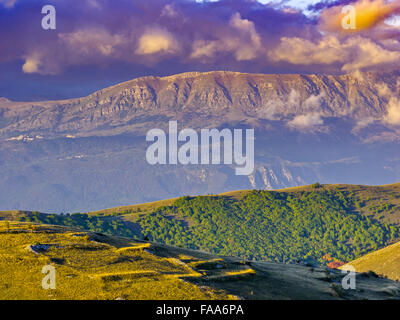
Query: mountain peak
x,y
212,98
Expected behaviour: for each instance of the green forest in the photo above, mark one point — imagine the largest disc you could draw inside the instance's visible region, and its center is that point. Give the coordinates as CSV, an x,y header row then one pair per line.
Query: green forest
x,y
271,226
106,225
262,225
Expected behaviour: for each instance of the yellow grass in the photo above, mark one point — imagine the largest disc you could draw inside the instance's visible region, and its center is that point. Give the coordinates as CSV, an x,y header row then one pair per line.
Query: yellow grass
x,y
86,269
385,262
94,266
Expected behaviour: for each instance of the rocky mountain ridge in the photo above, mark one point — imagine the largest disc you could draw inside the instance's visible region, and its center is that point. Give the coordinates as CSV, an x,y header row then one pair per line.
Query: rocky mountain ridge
x,y
203,100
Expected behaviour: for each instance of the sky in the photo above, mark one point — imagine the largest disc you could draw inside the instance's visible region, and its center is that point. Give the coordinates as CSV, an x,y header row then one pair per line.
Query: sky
x,y
98,43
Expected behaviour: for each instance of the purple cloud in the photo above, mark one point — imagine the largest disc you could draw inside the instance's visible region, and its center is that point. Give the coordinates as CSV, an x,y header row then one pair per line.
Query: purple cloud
x,y
236,34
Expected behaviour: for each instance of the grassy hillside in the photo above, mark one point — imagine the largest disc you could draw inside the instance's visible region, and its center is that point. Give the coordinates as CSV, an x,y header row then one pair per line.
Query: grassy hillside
x,y
304,223
385,262
90,266
95,266
377,202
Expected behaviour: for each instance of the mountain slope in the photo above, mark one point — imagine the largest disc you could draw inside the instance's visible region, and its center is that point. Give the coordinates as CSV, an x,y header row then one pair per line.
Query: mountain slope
x,y
376,202
151,101
95,266
297,224
384,262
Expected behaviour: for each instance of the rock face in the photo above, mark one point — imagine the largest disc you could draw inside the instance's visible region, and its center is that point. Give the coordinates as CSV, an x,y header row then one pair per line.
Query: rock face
x,y
234,96
89,153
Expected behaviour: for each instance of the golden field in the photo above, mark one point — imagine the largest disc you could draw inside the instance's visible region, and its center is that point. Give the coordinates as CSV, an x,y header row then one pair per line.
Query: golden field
x,y
98,267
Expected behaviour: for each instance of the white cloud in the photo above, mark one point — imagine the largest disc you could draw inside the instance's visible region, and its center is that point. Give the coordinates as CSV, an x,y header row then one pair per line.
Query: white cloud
x,y
314,101
363,123
271,109
302,51
365,53
353,54
306,121
31,64
383,90
92,41
294,97
247,30
393,112
88,45
202,48
392,116
358,75
155,41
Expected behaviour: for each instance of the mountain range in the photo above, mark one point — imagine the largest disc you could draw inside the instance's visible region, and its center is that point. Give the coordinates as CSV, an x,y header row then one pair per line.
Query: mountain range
x,y
88,153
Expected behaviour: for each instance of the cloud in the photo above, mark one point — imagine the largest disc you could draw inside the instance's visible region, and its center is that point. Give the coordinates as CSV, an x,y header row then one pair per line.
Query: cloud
x,y
294,98
92,41
88,46
36,62
302,51
306,121
393,21
393,112
359,76
314,101
246,30
369,13
271,110
392,116
242,40
169,11
363,123
383,90
156,41
353,54
164,37
31,64
364,53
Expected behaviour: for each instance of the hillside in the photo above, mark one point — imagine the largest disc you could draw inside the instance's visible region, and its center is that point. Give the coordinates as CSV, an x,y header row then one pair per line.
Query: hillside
x,y
96,266
298,224
89,153
377,202
384,262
